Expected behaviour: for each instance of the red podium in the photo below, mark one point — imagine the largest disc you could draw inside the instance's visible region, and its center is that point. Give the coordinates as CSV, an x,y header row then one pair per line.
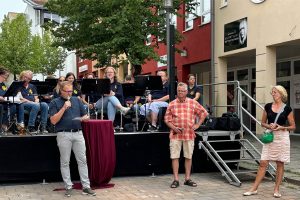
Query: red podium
x,y
100,150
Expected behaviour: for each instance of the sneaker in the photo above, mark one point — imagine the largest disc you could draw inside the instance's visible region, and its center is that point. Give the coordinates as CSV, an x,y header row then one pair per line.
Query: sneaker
x,y
20,126
32,130
125,110
88,191
68,192
152,128
43,130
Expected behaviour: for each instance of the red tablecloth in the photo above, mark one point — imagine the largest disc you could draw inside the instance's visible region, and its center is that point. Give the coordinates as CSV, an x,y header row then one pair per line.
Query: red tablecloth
x,y
100,150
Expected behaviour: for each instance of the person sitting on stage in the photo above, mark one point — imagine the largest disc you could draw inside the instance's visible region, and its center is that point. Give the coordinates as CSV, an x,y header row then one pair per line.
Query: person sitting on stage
x,y
76,87
131,101
112,101
180,118
4,106
31,102
56,89
156,100
66,113
193,89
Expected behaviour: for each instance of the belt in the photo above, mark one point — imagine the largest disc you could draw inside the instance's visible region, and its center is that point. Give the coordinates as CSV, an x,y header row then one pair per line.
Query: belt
x,y
70,130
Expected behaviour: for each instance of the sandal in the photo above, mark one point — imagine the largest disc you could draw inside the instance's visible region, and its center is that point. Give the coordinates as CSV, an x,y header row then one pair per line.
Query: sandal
x,y
174,184
190,183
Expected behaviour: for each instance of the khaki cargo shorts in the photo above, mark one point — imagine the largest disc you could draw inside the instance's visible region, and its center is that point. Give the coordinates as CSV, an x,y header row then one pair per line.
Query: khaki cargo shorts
x,y
175,148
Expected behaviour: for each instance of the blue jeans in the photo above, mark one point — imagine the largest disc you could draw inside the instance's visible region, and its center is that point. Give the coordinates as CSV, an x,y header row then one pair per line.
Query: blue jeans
x,y
13,108
109,103
33,109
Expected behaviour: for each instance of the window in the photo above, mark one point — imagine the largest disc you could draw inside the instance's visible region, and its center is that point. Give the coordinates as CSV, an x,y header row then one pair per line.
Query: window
x,y
205,12
51,17
201,9
242,75
37,17
297,67
230,76
283,69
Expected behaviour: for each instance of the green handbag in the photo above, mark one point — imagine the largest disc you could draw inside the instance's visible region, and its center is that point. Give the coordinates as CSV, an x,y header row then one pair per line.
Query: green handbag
x,y
267,137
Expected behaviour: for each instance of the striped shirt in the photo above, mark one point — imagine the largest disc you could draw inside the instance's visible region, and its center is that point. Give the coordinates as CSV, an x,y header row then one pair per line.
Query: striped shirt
x,y
183,115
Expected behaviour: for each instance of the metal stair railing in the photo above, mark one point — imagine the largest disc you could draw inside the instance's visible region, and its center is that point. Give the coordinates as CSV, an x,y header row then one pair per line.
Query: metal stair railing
x,y
245,145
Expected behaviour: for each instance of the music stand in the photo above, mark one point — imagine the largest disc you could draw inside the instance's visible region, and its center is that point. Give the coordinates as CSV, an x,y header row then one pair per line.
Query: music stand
x,y
13,90
148,82
130,89
96,87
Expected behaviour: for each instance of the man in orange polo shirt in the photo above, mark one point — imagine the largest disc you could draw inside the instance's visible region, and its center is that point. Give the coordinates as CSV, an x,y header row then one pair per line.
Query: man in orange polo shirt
x,y
180,117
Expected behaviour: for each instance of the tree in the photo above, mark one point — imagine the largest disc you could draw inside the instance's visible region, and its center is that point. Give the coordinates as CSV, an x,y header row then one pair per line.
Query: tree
x,y
103,29
50,58
15,41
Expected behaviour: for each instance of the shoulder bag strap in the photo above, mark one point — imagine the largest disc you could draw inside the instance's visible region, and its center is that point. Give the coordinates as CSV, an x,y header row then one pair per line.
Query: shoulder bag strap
x,y
281,110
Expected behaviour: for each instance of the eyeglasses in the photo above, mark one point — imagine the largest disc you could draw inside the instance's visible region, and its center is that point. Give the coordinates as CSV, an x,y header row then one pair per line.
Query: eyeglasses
x,y
68,91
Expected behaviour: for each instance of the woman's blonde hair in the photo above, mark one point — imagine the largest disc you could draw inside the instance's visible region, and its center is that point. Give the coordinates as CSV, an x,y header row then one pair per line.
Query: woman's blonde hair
x,y
115,72
282,91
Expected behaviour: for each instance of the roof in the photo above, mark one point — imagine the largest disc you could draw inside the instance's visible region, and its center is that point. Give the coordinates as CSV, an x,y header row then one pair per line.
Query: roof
x,y
37,4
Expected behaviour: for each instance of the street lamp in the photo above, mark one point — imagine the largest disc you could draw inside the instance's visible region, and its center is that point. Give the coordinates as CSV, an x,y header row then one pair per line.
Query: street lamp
x,y
168,4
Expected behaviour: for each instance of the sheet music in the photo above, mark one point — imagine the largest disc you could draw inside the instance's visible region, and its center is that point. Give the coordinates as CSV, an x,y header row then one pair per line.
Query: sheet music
x,y
15,99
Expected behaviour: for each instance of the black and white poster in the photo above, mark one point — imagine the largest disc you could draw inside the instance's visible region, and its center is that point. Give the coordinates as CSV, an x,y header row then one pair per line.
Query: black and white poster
x,y
235,35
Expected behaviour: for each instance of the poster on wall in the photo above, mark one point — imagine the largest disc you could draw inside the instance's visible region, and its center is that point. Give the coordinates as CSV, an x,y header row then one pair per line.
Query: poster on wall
x,y
296,94
235,35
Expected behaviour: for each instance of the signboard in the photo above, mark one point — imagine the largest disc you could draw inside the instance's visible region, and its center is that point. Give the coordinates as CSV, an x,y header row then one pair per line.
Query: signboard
x,y
235,35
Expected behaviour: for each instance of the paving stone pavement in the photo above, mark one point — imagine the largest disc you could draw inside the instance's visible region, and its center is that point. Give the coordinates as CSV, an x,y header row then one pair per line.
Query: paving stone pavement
x,y
210,186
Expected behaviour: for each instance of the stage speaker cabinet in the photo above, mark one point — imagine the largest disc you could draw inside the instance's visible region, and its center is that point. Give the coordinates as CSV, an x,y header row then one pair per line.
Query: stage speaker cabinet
x,y
161,119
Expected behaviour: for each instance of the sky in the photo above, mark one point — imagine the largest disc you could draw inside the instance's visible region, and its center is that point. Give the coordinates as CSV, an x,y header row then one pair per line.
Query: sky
x,y
11,6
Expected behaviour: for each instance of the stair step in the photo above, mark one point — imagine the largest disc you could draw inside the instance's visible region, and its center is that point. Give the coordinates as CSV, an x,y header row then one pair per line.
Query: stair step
x,y
242,171
240,160
232,150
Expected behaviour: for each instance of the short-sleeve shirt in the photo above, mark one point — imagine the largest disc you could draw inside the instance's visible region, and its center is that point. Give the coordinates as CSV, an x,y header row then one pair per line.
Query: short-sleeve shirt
x,y
29,92
69,120
192,92
157,94
282,119
183,115
3,89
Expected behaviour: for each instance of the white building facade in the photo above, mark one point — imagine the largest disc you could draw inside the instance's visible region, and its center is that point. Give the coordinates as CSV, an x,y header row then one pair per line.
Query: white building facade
x,y
38,15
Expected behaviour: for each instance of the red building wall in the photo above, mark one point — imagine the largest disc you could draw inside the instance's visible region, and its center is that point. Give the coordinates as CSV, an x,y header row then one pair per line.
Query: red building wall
x,y
197,44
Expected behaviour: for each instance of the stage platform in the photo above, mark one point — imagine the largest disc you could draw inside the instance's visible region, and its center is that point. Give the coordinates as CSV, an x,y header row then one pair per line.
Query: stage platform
x,y
36,157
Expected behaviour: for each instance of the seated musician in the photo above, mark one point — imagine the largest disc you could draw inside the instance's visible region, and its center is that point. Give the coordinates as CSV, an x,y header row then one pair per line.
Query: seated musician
x,y
4,106
31,102
156,100
56,93
112,101
131,101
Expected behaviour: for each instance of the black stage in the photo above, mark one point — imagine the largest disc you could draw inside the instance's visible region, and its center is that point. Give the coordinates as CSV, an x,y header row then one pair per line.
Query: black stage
x,y
34,158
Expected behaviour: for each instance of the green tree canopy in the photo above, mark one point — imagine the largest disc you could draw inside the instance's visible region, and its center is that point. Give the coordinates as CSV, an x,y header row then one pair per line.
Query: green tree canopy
x,y
15,39
102,29
19,50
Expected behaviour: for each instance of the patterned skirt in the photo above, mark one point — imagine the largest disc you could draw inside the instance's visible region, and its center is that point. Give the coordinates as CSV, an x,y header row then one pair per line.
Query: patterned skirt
x,y
279,149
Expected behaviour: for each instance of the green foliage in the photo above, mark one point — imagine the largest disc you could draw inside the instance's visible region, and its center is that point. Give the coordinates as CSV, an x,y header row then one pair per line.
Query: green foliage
x,y
102,29
52,58
15,44
19,50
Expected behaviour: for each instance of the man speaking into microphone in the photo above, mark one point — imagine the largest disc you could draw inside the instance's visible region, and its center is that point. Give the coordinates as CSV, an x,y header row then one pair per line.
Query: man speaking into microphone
x,y
66,113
